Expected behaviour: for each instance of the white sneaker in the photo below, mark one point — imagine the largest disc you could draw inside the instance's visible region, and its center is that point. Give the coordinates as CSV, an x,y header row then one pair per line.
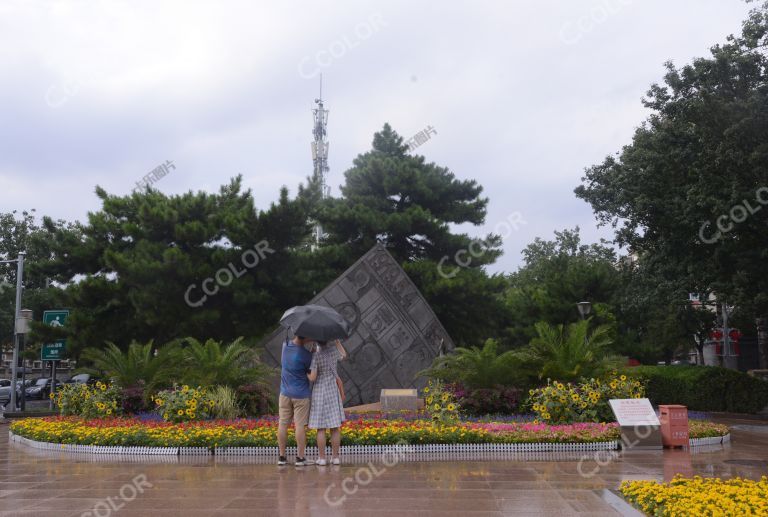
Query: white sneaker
x,y
336,461
321,462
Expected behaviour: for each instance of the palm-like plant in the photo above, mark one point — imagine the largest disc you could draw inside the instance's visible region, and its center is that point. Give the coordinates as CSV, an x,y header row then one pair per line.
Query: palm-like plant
x,y
136,366
211,363
477,368
569,353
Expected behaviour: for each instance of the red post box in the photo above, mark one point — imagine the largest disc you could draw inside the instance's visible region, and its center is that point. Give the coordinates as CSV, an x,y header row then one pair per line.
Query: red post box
x,y
674,425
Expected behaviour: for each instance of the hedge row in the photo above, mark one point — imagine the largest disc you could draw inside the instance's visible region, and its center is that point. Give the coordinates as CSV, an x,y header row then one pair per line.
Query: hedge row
x,y
703,388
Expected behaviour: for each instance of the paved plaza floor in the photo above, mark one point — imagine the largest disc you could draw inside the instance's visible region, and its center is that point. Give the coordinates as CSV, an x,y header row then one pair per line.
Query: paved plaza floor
x,y
43,483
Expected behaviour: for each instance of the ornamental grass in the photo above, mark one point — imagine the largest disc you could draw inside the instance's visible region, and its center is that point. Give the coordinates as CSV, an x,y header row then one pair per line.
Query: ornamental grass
x,y
699,496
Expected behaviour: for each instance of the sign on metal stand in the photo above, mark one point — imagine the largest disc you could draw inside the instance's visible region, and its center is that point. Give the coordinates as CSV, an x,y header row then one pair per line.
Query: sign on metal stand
x,y
54,352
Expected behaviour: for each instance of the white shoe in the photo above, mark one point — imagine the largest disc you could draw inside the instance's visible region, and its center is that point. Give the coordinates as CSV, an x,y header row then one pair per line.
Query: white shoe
x,y
336,461
321,462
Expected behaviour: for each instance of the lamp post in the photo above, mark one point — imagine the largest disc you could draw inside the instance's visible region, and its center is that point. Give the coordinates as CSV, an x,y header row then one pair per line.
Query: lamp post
x,y
14,365
584,309
22,329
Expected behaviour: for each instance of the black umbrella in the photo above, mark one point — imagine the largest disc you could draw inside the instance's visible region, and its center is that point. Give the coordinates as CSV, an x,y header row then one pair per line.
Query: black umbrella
x,y
315,322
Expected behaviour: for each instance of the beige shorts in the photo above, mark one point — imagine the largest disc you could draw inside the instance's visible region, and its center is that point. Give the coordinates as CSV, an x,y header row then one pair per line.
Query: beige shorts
x,y
293,409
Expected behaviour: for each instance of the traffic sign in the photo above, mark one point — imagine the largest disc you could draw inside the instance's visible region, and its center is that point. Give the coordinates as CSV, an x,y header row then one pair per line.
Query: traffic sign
x,y
53,351
57,318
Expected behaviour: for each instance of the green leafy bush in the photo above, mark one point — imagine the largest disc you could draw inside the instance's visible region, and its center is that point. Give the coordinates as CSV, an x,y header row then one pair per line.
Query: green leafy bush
x,y
587,401
256,399
703,388
499,400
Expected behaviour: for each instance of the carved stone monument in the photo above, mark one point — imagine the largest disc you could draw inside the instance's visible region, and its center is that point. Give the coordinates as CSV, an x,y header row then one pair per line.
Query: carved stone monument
x,y
395,333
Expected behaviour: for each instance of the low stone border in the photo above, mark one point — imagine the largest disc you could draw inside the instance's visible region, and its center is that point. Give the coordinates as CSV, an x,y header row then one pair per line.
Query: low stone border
x,y
408,452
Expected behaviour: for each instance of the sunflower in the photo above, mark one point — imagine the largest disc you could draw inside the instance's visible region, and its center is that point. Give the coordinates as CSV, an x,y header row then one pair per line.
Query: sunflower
x,y
436,407
451,407
180,412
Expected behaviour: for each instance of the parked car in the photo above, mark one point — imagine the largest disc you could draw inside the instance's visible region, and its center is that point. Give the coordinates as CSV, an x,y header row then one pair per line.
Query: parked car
x,y
81,378
5,391
5,382
41,388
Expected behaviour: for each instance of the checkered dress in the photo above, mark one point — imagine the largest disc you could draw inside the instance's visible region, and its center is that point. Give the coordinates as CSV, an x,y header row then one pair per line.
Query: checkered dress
x,y
326,410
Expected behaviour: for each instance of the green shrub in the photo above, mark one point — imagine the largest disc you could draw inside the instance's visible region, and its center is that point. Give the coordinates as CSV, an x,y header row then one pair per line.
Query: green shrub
x,y
587,401
256,400
703,388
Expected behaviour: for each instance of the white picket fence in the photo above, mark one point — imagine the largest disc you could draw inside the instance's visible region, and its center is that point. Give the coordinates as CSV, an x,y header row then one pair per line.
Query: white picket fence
x,y
420,452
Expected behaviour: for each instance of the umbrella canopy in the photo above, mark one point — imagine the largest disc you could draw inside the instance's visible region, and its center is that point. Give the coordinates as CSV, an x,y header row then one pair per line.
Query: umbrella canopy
x,y
315,322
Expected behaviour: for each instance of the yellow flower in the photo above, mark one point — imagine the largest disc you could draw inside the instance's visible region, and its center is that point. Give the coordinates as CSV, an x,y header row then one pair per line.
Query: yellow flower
x,y
103,387
180,412
429,400
436,407
623,377
451,407
426,390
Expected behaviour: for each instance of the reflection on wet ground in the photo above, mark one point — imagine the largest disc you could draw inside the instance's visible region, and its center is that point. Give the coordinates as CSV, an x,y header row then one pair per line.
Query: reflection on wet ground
x,y
34,482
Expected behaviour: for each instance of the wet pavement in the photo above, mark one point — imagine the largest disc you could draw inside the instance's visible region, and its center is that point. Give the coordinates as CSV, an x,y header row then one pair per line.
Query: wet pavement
x,y
34,482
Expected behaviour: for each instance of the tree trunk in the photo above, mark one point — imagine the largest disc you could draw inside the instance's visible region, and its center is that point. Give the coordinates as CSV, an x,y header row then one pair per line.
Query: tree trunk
x,y
762,341
700,349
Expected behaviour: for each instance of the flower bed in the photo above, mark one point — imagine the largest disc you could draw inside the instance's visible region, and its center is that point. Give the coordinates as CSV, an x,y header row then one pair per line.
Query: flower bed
x,y
699,496
366,430
263,432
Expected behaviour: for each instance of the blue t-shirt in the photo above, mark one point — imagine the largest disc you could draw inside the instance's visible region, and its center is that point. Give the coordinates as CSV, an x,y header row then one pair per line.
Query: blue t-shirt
x,y
293,376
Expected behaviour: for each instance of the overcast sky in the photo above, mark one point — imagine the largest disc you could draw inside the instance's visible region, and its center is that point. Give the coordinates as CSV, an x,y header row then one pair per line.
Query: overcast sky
x,y
522,94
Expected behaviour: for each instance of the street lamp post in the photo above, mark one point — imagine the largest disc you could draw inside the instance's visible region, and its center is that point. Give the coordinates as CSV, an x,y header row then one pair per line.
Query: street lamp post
x,y
584,309
14,365
22,329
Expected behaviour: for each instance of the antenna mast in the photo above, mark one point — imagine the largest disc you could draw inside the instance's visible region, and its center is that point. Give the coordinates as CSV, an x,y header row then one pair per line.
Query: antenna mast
x,y
320,152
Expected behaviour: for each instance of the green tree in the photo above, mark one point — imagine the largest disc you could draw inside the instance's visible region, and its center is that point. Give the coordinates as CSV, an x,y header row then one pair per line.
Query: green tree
x,y
22,232
399,199
689,192
151,266
557,274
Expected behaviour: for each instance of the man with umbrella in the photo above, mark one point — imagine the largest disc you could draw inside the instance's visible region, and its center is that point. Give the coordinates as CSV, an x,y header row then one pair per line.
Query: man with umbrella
x,y
295,396
308,323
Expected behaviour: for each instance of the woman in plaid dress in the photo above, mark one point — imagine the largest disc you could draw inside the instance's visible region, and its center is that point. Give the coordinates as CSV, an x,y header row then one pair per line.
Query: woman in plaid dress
x,y
326,410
